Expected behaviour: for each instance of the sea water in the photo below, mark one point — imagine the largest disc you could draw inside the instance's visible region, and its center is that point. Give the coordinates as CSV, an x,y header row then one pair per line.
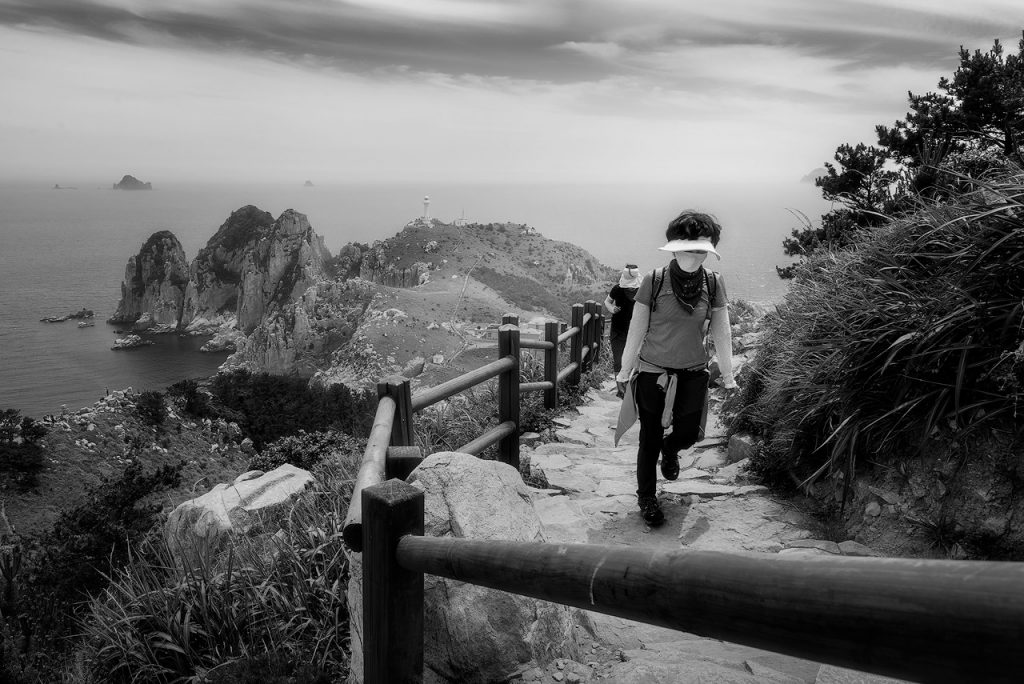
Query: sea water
x,y
65,250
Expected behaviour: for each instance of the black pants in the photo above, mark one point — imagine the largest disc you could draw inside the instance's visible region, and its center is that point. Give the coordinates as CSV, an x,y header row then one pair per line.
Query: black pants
x,y
686,422
618,341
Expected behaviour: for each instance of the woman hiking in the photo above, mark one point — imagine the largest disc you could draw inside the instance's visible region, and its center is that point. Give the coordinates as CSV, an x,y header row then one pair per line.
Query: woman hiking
x,y
665,360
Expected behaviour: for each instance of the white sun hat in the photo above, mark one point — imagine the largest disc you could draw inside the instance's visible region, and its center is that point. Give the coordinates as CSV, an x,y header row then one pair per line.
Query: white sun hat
x,y
702,245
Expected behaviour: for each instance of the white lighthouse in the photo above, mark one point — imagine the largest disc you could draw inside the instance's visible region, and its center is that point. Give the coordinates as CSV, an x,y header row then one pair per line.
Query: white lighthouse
x,y
426,208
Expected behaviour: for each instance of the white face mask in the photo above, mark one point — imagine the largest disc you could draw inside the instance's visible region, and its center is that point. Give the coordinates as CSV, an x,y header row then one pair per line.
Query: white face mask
x,y
690,261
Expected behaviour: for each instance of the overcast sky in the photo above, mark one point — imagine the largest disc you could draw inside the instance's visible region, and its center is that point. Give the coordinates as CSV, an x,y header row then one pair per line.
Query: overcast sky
x,y
465,90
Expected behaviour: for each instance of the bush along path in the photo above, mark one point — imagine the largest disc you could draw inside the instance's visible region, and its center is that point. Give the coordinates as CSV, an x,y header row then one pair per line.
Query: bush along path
x,y
713,505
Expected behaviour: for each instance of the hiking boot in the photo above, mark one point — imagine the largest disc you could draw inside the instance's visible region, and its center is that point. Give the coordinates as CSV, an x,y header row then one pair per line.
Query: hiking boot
x,y
669,465
651,511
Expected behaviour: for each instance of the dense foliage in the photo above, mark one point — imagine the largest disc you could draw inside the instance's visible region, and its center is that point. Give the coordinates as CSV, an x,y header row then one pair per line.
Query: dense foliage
x,y
21,456
268,407
232,617
973,124
919,326
307,450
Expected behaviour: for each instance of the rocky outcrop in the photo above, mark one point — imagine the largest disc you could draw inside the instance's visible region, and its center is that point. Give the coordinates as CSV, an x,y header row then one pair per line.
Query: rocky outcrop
x,y
132,183
215,276
302,337
471,633
253,266
154,282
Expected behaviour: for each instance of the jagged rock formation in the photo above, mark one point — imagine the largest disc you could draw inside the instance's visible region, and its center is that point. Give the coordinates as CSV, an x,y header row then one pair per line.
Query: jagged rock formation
x,y
271,292
132,183
252,266
301,337
154,282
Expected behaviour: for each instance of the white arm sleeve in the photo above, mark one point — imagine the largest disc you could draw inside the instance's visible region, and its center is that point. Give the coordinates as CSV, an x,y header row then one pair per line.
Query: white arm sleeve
x,y
721,333
610,305
634,338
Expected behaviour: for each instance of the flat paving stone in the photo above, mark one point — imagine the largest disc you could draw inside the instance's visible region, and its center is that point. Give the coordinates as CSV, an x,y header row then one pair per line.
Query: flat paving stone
x,y
616,488
550,461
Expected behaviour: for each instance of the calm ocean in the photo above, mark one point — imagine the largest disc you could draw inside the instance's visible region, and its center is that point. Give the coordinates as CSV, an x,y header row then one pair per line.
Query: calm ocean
x,y
64,250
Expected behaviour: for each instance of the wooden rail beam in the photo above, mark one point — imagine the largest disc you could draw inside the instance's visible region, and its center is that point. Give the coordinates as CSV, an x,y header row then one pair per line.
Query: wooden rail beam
x,y
429,397
371,471
922,620
492,436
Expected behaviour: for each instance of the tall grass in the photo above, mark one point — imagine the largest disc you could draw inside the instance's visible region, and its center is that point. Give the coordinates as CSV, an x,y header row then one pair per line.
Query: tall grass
x,y
917,328
165,619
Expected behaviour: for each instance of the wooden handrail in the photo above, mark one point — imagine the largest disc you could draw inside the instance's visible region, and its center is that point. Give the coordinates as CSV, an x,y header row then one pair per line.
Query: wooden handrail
x,y
536,344
492,436
431,396
371,470
568,334
538,386
567,371
930,620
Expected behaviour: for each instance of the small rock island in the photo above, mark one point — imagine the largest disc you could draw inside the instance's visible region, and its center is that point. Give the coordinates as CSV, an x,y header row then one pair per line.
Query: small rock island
x,y
132,183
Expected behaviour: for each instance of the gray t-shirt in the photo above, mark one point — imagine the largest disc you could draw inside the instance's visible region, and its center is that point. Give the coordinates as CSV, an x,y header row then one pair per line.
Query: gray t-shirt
x,y
675,338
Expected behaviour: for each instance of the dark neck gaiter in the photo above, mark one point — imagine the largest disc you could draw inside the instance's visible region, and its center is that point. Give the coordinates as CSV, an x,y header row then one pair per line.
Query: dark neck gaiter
x,y
686,286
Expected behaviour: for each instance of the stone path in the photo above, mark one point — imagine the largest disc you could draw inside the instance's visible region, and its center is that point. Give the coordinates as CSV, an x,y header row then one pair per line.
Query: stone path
x,y
712,506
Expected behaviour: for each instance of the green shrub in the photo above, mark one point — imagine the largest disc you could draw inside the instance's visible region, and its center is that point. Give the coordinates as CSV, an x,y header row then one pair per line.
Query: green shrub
x,y
917,328
75,558
151,407
306,450
268,407
217,620
21,456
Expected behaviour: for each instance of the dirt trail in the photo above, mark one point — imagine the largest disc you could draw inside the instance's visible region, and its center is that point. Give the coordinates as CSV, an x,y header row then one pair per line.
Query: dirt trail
x,y
712,506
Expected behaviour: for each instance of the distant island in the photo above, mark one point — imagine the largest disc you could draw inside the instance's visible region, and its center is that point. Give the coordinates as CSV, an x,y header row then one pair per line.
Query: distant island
x,y
308,184
132,183
58,186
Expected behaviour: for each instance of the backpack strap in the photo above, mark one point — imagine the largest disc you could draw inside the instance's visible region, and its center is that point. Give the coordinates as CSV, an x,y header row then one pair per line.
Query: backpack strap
x,y
657,280
711,282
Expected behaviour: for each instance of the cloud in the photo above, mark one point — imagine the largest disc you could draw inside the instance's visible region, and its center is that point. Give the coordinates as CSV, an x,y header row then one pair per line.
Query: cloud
x,y
558,42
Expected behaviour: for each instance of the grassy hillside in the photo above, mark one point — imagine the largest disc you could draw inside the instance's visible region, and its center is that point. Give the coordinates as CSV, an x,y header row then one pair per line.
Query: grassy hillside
x,y
527,270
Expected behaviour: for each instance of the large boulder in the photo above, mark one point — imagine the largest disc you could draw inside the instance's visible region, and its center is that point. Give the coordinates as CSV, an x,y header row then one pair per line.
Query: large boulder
x,y
254,504
475,634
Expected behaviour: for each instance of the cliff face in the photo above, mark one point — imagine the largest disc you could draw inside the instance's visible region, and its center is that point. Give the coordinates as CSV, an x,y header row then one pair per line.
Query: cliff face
x,y
301,336
251,267
154,281
216,274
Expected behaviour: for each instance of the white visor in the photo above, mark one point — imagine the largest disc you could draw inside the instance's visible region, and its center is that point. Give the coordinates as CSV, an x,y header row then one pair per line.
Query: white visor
x,y
690,246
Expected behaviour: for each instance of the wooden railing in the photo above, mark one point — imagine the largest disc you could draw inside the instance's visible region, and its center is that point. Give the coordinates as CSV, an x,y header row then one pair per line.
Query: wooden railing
x,y
390,450
921,620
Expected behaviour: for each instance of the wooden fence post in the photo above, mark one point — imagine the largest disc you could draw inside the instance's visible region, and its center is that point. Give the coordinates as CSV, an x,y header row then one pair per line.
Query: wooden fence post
x,y
591,307
508,394
392,596
397,387
551,331
598,334
576,345
510,319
